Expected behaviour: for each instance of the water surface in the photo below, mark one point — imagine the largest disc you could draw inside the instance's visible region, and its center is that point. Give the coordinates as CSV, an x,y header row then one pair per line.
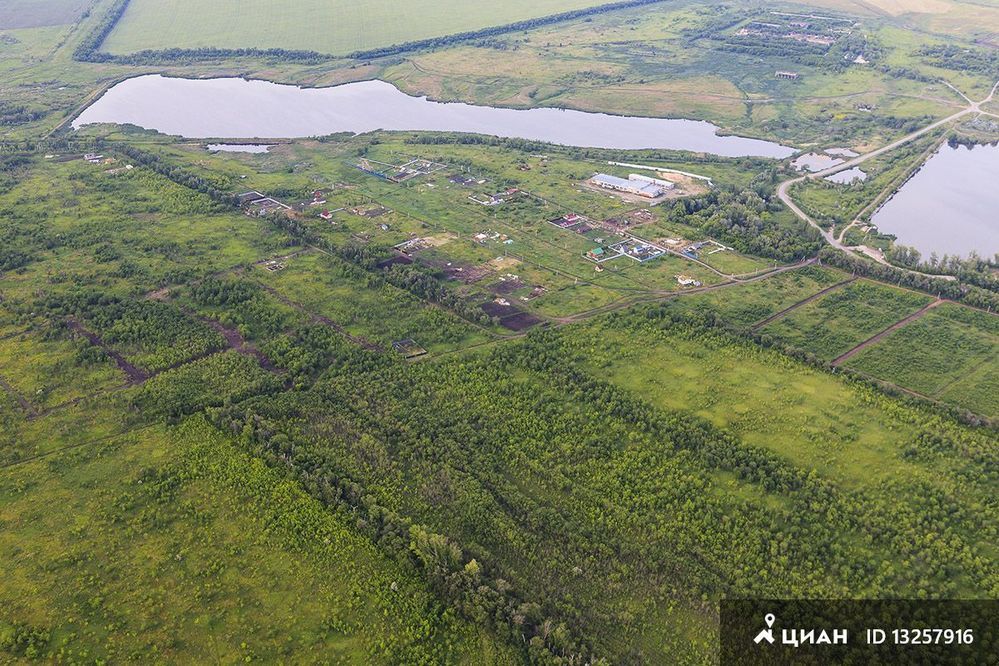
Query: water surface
x,y
848,176
951,205
237,108
239,147
815,162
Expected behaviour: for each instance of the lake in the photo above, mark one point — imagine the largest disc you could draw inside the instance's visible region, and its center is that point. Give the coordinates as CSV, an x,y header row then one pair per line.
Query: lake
x,y
238,108
950,206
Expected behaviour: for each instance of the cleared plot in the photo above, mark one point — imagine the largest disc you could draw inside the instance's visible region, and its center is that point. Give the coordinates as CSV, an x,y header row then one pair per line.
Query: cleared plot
x,y
733,263
326,26
365,306
48,371
841,320
745,305
978,390
256,570
933,354
810,417
16,14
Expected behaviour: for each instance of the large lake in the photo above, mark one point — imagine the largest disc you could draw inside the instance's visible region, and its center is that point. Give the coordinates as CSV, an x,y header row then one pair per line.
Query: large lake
x,y
951,205
238,108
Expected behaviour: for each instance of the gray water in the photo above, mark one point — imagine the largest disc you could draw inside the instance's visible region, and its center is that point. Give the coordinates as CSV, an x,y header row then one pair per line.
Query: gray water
x,y
237,108
951,205
239,147
815,162
841,152
848,176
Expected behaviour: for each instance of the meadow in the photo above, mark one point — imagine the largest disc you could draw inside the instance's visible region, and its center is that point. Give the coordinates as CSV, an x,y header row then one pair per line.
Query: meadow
x,y
338,27
257,570
742,306
951,353
837,322
366,307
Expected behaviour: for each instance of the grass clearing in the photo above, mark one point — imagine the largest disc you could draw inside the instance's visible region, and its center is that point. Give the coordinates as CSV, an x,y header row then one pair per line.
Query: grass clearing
x,y
745,305
804,414
837,322
929,354
366,306
256,569
49,371
338,27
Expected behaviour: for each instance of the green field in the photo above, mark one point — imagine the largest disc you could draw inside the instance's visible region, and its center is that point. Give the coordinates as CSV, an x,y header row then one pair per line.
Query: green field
x,y
745,305
17,14
337,27
377,312
842,319
950,353
173,545
50,370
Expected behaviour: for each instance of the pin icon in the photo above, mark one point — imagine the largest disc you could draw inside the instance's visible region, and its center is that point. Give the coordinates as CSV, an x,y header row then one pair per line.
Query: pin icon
x,y
768,633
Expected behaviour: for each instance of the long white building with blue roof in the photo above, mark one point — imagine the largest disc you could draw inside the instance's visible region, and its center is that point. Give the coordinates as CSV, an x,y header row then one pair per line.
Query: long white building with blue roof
x,y
643,186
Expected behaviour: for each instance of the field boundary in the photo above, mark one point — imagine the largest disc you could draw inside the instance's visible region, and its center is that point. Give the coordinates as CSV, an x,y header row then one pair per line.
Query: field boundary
x,y
21,401
89,49
805,301
891,329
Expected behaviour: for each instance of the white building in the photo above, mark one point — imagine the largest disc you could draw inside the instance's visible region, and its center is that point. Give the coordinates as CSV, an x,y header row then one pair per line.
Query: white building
x,y
642,186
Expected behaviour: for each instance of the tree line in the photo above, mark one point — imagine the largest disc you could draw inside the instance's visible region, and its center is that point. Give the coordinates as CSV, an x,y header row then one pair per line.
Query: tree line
x,y
954,290
519,26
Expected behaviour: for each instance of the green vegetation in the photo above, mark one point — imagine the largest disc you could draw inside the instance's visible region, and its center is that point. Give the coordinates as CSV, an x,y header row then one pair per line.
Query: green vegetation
x,y
365,306
418,422
842,319
219,379
171,544
746,305
536,439
52,367
153,335
950,352
338,28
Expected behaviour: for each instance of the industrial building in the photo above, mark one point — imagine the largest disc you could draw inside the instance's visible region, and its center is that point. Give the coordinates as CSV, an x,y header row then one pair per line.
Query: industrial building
x,y
643,186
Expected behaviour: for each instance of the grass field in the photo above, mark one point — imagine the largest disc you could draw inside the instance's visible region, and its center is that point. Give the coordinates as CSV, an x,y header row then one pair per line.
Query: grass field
x,y
745,305
15,14
951,353
806,415
337,27
172,545
365,307
842,319
48,372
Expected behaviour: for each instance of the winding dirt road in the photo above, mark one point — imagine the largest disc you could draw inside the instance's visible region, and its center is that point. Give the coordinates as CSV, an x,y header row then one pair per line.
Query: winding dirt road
x,y
784,188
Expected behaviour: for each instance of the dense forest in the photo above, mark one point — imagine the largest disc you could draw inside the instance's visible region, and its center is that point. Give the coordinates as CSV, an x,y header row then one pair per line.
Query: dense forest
x,y
749,220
